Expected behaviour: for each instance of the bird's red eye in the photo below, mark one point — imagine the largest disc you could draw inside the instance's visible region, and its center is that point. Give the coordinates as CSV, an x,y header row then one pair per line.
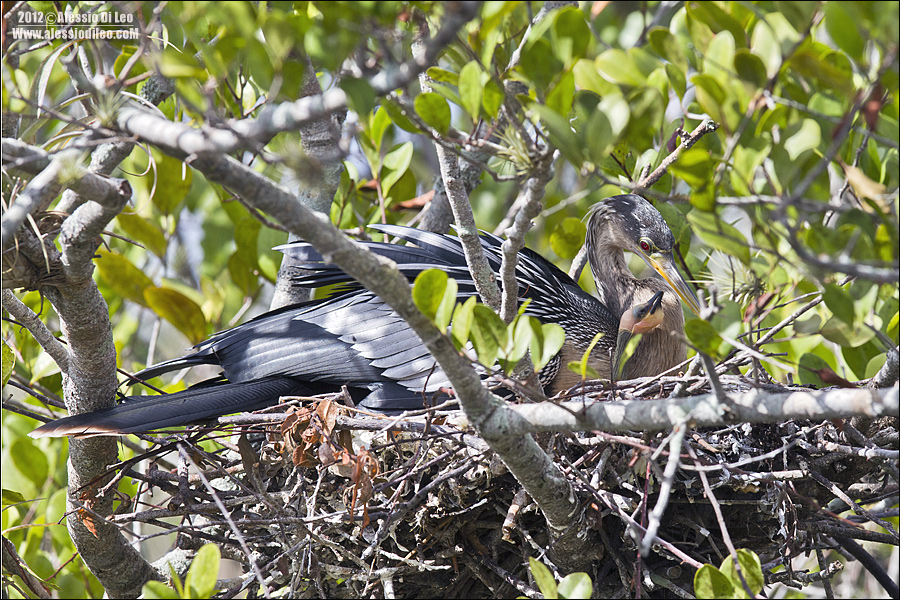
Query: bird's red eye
x,y
645,246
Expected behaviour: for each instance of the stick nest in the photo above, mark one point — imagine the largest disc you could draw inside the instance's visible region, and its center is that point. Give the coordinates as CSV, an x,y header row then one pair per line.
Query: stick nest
x,y
331,502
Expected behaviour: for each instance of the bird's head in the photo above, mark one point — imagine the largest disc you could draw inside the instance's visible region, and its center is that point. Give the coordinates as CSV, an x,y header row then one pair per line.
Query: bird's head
x,y
643,318
631,223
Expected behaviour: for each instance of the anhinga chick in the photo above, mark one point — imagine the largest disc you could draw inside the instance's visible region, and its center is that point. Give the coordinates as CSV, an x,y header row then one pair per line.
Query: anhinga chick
x,y
638,320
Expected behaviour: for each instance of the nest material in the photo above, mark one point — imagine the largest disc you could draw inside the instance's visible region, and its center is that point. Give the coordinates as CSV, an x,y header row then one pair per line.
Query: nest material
x,y
332,503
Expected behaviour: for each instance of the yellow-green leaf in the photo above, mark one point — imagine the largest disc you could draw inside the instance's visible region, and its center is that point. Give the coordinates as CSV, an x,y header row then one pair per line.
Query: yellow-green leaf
x,y
568,237
709,582
124,278
751,569
428,291
543,578
434,110
201,578
179,310
703,336
8,361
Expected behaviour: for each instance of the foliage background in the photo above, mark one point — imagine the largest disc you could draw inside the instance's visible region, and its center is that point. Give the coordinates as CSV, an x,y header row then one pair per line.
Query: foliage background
x,y
795,191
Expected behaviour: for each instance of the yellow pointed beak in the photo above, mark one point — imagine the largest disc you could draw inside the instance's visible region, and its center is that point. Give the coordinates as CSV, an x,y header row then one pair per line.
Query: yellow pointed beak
x,y
665,266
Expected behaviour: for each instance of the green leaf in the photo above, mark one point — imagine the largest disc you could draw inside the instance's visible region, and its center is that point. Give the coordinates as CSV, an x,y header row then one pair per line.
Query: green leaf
x,y
719,234
201,578
808,326
582,367
600,138
717,20
394,166
546,340
845,335
378,124
141,230
8,361
462,322
448,305
360,95
808,365
538,63
179,310
831,70
488,334
243,274
710,95
428,291
30,461
10,497
560,133
570,34
843,29
157,590
588,78
859,358
543,578
616,66
520,334
709,582
471,86
840,303
493,98
763,43
173,182
750,67
666,45
442,75
695,167
804,138
703,336
616,109
560,96
124,278
751,569
576,585
568,237
434,110
398,116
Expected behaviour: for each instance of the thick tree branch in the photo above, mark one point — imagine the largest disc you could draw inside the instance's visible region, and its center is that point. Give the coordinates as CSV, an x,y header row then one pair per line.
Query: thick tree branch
x,y
89,380
320,140
890,371
530,207
706,411
458,197
45,186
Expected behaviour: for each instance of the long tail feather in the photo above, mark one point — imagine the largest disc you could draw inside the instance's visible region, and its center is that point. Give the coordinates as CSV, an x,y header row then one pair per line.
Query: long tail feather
x,y
145,413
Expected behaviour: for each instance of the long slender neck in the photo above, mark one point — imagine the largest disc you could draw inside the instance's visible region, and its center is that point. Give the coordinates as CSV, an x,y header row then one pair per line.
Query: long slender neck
x,y
614,280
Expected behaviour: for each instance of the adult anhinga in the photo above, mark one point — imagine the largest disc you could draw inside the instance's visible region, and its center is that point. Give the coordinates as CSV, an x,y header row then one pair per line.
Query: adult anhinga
x,y
629,222
355,339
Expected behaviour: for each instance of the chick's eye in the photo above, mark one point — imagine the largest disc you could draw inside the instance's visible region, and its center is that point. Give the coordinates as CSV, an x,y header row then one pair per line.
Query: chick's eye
x,y
645,246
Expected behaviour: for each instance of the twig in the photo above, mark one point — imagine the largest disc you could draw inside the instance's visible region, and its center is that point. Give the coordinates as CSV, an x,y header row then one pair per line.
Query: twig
x,y
707,126
36,327
871,565
726,536
226,514
851,504
676,439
